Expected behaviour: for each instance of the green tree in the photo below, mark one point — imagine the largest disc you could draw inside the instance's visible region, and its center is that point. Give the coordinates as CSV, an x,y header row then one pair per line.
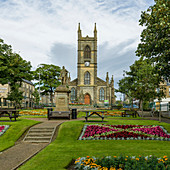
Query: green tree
x,y
145,81
48,78
13,69
15,95
126,87
155,37
141,82
36,97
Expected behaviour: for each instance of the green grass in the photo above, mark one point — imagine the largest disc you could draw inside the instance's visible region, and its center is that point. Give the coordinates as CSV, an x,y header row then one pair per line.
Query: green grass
x,y
66,147
16,129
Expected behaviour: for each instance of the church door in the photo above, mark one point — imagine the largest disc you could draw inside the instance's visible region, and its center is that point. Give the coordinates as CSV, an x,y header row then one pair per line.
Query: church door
x,y
87,99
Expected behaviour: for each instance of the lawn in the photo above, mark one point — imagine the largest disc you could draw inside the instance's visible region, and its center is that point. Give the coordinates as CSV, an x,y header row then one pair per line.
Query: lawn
x,y
16,129
66,147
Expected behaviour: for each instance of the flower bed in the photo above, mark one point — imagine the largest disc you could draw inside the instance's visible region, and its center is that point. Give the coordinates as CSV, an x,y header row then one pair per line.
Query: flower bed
x,y
122,163
124,132
3,129
37,112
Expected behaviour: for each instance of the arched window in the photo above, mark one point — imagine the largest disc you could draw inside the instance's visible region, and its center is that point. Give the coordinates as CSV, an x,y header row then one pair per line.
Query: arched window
x,y
87,78
73,94
101,94
87,52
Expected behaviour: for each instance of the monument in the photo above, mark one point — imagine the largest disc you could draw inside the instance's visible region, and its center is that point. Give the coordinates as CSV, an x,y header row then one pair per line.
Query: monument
x,y
62,92
62,98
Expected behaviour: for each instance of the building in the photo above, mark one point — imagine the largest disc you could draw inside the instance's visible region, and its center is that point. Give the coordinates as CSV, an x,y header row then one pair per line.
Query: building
x,y
88,88
27,88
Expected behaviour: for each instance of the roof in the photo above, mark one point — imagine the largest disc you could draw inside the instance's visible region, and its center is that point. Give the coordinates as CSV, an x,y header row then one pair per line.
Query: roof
x,y
28,82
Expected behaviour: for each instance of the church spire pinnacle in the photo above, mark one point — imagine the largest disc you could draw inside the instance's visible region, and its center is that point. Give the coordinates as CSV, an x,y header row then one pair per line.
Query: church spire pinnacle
x,y
79,31
95,31
79,27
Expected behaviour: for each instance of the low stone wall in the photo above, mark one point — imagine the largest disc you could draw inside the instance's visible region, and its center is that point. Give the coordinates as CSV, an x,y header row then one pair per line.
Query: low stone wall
x,y
81,107
166,114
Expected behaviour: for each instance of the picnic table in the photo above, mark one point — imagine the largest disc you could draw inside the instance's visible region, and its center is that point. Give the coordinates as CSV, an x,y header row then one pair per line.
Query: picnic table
x,y
9,112
89,113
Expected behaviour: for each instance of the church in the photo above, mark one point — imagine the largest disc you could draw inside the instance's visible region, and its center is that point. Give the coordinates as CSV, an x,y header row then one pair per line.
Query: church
x,y
87,88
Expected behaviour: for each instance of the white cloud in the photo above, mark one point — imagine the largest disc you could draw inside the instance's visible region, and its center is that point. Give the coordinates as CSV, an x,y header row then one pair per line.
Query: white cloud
x,y
37,27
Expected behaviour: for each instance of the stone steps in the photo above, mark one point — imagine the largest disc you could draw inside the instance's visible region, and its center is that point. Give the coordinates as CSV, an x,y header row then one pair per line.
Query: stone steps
x,y
40,135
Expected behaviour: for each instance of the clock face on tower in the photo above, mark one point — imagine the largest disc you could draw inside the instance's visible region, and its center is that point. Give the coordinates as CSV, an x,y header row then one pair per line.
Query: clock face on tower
x,y
87,63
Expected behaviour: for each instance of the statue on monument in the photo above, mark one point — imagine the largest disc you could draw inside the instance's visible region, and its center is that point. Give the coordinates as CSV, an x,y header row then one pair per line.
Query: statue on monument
x,y
63,76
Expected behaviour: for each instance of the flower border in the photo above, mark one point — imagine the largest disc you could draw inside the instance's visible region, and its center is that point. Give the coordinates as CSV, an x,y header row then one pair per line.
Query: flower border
x,y
4,130
130,138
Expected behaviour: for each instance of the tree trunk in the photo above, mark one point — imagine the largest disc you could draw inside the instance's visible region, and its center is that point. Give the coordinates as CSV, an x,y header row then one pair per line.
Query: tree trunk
x,y
141,105
51,96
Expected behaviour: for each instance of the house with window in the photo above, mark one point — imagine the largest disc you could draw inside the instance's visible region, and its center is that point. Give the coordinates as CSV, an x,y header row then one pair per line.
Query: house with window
x,y
88,88
27,88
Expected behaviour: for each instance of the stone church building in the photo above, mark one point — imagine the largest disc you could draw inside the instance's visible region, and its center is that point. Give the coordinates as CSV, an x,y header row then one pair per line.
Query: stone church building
x,y
87,88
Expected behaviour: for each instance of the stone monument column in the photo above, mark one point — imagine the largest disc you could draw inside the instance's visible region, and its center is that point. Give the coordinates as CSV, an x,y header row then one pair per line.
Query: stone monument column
x,y
62,93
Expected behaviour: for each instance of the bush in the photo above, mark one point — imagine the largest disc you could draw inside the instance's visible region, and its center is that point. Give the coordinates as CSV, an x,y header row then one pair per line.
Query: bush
x,y
123,163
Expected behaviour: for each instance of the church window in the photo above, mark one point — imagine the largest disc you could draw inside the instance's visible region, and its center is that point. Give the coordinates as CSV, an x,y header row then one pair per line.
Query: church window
x,y
87,52
73,94
87,78
101,94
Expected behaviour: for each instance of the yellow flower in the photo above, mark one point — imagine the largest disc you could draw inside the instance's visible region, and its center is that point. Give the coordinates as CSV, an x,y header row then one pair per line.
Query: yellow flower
x,y
137,159
166,159
127,156
125,159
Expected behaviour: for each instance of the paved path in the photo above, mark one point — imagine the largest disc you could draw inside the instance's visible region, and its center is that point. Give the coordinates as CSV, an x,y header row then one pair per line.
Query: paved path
x,y
13,157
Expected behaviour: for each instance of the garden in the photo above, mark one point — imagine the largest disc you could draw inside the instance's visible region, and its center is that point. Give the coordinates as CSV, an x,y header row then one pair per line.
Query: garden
x,y
10,132
106,153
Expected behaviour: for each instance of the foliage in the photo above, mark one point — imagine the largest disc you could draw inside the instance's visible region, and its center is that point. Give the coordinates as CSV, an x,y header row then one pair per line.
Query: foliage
x,y
13,69
123,162
141,82
48,77
155,36
36,97
15,95
67,147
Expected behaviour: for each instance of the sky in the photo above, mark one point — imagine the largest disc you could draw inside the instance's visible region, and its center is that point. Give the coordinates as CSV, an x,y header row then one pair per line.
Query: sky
x,y
45,31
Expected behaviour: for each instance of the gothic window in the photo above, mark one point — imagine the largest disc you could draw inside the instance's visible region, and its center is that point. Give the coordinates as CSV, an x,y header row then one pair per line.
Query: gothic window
x,y
87,78
101,94
73,94
87,52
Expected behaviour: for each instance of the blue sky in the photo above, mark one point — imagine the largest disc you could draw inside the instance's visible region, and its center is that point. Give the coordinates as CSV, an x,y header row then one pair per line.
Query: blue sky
x,y
45,31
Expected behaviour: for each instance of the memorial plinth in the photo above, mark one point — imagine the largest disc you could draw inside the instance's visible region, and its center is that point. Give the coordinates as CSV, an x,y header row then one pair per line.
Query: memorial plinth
x,y
62,98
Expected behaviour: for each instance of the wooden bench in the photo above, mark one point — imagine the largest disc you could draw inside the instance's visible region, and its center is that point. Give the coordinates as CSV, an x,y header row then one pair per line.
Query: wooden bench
x,y
58,114
93,113
126,113
11,113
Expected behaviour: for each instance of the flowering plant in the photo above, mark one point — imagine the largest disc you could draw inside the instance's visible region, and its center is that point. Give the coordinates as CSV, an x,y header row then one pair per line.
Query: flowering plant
x,y
37,112
122,162
124,132
3,129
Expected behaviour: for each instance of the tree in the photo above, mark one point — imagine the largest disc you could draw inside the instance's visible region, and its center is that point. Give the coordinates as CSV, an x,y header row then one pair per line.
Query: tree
x,y
15,95
155,37
141,82
126,87
36,97
48,78
13,69
145,81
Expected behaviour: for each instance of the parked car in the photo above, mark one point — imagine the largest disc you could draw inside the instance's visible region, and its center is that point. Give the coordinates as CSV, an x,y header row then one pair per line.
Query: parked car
x,y
130,106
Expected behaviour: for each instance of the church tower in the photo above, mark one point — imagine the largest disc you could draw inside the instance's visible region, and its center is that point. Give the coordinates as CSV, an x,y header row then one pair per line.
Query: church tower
x,y
87,59
87,88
